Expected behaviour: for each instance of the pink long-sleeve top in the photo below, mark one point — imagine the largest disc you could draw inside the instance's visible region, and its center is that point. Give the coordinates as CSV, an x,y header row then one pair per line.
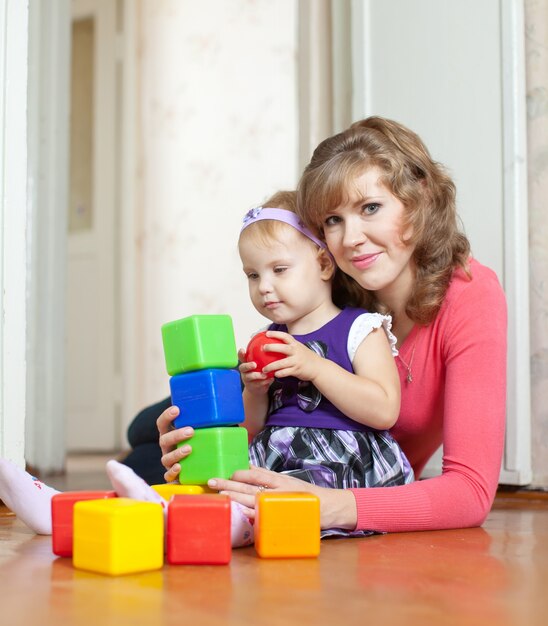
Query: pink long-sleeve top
x,y
457,398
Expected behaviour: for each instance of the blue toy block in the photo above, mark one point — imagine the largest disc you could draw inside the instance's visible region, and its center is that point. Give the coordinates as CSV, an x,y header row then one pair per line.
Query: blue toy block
x,y
208,398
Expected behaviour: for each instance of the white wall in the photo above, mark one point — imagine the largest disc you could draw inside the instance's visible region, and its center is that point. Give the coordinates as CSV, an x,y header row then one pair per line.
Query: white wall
x,y
218,134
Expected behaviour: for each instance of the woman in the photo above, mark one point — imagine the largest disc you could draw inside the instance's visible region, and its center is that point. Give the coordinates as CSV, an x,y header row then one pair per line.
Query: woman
x,y
387,213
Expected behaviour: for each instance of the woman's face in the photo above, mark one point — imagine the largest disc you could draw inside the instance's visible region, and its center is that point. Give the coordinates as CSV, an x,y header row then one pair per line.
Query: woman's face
x,y
365,237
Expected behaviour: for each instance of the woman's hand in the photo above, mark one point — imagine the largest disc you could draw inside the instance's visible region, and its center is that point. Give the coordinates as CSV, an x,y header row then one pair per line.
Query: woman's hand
x,y
337,506
169,438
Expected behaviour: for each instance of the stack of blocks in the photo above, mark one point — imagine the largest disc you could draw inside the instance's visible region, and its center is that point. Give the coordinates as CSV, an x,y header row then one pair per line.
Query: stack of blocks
x,y
111,535
201,357
200,353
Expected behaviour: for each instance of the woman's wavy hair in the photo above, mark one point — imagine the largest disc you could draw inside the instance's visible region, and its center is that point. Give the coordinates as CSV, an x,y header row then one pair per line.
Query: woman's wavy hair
x,y
421,184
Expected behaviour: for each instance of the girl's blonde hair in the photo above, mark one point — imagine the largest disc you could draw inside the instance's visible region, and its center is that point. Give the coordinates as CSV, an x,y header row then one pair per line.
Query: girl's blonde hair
x,y
421,184
268,229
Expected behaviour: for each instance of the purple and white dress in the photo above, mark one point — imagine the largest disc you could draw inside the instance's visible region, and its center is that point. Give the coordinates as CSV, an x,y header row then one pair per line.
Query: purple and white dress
x,y
306,436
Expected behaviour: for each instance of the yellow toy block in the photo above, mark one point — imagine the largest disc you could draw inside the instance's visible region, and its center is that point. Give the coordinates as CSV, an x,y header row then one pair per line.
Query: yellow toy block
x,y
168,490
118,536
287,525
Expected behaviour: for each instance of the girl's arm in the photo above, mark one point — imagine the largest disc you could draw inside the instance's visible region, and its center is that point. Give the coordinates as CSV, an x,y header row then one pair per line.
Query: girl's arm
x,y
255,395
255,409
370,396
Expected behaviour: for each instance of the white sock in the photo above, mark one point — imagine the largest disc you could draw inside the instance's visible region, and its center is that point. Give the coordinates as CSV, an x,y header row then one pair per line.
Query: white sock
x,y
241,529
127,484
26,496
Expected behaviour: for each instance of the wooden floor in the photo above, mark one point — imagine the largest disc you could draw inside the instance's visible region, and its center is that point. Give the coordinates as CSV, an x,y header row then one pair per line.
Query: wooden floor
x,y
497,574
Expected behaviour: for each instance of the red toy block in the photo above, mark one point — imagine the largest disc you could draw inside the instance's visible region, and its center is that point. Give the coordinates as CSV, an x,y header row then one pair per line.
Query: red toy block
x,y
198,530
255,352
61,516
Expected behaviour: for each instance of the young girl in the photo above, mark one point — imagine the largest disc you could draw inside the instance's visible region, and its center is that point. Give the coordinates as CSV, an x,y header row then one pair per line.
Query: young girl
x,y
336,391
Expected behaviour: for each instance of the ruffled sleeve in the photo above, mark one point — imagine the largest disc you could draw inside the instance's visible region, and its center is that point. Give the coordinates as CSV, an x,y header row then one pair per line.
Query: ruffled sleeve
x,y
363,325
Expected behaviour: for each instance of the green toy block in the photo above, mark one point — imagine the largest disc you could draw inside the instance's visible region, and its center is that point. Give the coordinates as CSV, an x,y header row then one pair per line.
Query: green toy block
x,y
216,453
199,342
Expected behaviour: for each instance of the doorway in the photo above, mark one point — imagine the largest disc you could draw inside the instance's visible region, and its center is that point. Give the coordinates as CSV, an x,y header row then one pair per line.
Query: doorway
x,y
92,407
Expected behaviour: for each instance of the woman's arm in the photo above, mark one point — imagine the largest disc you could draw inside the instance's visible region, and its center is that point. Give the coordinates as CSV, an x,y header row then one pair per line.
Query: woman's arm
x,y
472,366
470,371
370,396
337,506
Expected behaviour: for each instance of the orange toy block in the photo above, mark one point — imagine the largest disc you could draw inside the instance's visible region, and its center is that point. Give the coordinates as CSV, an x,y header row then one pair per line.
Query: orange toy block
x,y
62,505
287,525
198,530
168,490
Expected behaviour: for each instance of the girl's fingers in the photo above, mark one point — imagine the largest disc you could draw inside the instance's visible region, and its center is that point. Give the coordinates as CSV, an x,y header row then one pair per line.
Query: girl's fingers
x,y
253,377
282,348
247,367
278,366
278,334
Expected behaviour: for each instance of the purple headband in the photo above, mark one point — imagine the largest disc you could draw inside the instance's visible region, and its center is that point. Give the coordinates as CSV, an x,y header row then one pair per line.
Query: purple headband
x,y
280,215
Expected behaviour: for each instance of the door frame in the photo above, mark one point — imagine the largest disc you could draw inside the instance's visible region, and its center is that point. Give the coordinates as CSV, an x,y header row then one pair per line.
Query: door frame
x,y
45,444
48,110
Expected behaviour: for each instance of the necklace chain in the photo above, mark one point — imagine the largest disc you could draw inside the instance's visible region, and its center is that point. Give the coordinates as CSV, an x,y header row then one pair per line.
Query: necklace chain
x,y
408,366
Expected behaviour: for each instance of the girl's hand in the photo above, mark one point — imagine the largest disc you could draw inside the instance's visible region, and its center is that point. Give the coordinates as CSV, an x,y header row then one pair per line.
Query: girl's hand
x,y
256,383
168,439
300,361
337,506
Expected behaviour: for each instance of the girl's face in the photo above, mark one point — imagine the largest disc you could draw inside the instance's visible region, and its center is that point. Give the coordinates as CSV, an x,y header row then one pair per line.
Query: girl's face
x,y
365,237
287,283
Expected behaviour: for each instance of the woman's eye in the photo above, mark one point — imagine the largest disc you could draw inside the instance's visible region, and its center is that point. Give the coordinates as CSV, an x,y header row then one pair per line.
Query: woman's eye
x,y
332,219
371,208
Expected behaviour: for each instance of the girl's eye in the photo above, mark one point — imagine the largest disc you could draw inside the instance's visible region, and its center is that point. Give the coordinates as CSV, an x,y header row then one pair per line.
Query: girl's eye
x,y
252,276
371,208
280,270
